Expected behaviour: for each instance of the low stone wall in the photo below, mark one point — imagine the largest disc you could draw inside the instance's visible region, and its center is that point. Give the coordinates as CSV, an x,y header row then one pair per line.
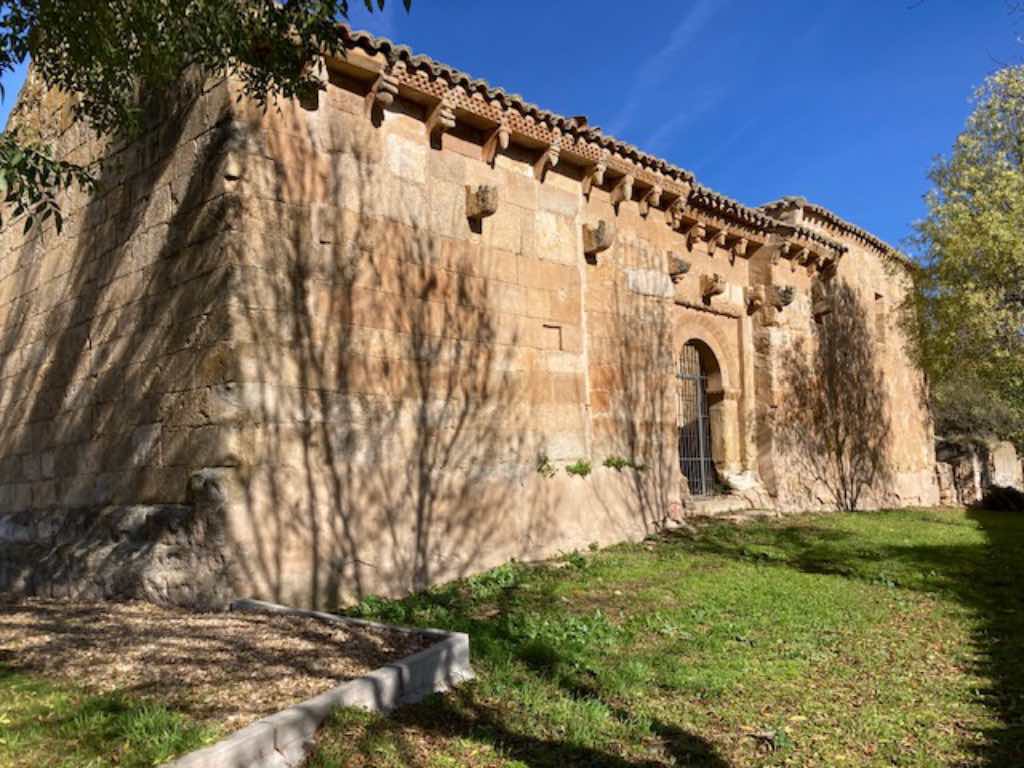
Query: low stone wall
x,y
966,469
166,553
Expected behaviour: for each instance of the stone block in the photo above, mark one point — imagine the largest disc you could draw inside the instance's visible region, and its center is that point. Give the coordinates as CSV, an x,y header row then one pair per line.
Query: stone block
x,y
31,467
561,202
146,445
518,189
446,167
215,446
444,209
44,495
504,229
406,158
649,282
157,485
20,497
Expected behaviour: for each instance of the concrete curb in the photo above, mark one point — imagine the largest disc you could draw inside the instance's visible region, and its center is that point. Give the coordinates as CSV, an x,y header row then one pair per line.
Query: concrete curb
x,y
284,739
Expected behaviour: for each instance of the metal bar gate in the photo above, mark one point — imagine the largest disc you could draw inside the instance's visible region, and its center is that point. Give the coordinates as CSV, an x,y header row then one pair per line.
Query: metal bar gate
x,y
695,424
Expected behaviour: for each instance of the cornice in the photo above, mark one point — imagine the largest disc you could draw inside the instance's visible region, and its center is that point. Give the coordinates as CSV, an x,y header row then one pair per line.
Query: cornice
x,y
630,173
830,219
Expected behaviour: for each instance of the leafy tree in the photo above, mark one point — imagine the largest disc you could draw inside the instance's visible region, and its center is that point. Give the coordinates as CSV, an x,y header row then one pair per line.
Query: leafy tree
x,y
968,317
109,53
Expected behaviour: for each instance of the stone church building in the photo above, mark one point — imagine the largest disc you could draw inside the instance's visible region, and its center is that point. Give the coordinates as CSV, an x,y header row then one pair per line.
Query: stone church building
x,y
410,329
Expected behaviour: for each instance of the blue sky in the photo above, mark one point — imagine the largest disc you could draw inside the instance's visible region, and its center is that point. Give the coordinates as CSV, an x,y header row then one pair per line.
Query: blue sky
x,y
845,102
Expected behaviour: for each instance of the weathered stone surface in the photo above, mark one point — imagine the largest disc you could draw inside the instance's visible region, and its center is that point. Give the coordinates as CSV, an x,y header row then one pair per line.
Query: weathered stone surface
x,y
481,201
597,238
649,282
296,302
171,553
968,469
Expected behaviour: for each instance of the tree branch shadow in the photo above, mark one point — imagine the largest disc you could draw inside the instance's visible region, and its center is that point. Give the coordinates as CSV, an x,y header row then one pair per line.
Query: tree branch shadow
x,y
834,426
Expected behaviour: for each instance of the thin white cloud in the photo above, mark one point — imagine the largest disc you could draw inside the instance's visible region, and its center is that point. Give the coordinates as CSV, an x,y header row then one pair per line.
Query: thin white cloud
x,y
659,65
657,142
708,161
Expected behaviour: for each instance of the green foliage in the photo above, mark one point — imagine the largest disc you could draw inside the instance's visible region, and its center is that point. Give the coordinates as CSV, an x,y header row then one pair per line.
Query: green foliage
x,y
118,57
619,463
581,468
576,559
965,407
968,318
30,180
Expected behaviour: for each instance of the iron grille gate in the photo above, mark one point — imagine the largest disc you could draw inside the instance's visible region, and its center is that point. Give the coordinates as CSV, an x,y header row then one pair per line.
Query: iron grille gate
x,y
694,424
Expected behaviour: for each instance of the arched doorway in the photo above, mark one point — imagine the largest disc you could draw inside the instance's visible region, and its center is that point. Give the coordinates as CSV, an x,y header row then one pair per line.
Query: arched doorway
x,y
700,383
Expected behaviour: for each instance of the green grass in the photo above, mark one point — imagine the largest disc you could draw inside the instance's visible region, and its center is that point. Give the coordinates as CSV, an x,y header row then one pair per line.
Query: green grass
x,y
43,724
879,639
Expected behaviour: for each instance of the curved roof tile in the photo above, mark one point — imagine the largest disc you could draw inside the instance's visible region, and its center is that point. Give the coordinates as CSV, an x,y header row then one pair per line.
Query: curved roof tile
x,y
702,196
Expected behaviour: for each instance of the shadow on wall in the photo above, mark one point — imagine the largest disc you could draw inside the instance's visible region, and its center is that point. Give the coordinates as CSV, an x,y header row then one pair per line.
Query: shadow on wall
x,y
295,326
385,436
108,338
833,425
639,424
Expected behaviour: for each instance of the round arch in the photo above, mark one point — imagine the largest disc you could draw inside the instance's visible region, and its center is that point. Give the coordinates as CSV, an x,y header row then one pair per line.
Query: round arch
x,y
708,418
713,345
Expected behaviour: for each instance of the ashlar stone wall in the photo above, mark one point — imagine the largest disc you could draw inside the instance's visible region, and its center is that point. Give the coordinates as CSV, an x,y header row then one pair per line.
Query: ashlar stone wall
x,y
378,329
116,380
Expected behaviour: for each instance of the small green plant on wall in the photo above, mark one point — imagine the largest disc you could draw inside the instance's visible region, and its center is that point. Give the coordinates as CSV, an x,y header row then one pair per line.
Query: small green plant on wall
x,y
545,467
581,468
619,463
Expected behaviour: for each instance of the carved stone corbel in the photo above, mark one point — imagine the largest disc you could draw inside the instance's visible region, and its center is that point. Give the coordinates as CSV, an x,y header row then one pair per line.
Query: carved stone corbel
x,y
597,238
675,213
316,71
549,159
697,233
739,248
498,140
781,296
711,285
800,257
383,92
676,208
441,120
718,240
783,253
623,190
481,201
651,200
677,267
595,176
756,298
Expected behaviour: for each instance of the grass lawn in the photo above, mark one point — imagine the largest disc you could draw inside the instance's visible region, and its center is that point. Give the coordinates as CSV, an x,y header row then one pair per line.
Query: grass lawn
x,y
45,724
892,638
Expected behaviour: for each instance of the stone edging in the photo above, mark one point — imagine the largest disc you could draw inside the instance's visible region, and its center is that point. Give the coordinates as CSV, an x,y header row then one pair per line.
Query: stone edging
x,y
284,739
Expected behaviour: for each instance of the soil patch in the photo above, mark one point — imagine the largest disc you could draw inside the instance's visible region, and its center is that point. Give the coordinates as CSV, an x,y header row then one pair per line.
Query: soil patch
x,y
229,668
